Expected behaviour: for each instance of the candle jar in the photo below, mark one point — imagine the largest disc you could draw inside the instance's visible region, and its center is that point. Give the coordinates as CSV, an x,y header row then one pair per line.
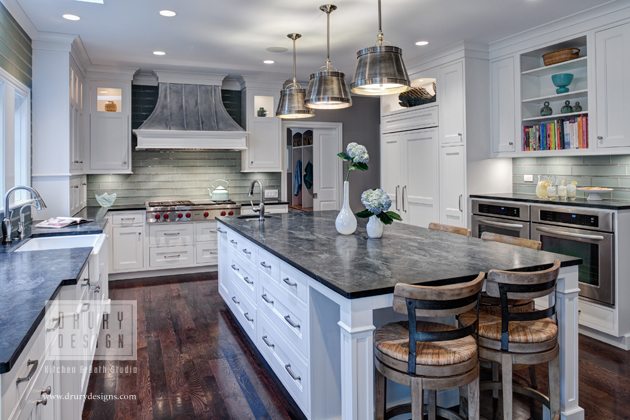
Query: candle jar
x,y
571,191
562,192
552,192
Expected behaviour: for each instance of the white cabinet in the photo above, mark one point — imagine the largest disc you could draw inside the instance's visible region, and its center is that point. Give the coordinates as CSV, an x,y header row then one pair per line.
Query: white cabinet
x,y
77,122
453,185
612,61
264,140
77,193
451,100
128,244
503,104
391,169
110,126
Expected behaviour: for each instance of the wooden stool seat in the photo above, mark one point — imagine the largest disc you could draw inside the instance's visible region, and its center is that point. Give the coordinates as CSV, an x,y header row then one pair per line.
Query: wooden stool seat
x,y
523,332
392,343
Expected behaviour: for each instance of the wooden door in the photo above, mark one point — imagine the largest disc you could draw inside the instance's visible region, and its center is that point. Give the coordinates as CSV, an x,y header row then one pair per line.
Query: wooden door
x,y
327,171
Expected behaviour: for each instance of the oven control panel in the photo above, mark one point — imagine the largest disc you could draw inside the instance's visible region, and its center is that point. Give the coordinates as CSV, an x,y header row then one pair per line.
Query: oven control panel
x,y
498,210
577,219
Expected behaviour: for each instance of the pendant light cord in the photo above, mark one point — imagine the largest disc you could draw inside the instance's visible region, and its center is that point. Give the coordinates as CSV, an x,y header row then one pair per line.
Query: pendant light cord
x,y
294,63
328,38
379,37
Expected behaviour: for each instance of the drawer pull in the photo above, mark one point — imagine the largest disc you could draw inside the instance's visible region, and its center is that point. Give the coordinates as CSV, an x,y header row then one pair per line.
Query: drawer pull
x,y
289,282
85,307
291,322
171,233
55,325
268,267
266,299
128,219
33,364
247,280
246,315
43,401
172,256
246,252
221,230
293,375
232,241
46,391
86,282
97,289
235,301
235,268
269,344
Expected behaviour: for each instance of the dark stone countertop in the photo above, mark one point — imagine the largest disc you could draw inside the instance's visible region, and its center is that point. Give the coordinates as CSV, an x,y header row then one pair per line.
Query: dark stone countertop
x,y
27,281
578,202
355,266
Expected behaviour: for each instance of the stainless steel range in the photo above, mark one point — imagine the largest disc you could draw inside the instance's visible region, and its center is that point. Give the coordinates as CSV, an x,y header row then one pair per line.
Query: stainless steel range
x,y
181,211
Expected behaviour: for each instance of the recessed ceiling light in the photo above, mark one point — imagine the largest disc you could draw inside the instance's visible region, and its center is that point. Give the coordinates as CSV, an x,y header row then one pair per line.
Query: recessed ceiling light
x,y
167,13
277,49
422,43
68,16
159,53
268,61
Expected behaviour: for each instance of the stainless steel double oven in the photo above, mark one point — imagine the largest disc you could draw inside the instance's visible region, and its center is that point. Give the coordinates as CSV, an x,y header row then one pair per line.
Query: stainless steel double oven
x,y
586,233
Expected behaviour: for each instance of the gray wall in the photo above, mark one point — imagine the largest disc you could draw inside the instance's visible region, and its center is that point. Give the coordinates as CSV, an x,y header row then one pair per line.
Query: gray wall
x,y
600,171
15,48
361,124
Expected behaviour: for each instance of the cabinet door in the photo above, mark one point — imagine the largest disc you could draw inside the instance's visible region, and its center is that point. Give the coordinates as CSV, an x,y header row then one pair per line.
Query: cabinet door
x,y
420,190
109,143
612,61
75,195
128,248
450,93
264,150
453,185
391,168
503,105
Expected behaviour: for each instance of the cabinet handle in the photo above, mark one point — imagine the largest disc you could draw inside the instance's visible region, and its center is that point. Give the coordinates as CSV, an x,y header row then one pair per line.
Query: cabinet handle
x,y
247,280
291,322
289,282
46,391
293,375
511,143
265,265
266,299
172,256
404,191
171,233
232,241
600,137
235,301
131,219
85,307
97,289
246,252
246,315
266,341
396,199
459,203
43,401
220,230
86,282
234,267
33,364
57,323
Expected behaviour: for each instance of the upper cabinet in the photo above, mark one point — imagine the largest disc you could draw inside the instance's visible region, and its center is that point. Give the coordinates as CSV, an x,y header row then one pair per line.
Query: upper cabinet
x,y
503,114
110,126
77,121
264,140
612,61
451,98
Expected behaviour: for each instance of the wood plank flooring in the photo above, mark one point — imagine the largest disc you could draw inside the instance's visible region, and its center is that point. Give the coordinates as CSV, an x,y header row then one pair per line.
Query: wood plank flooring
x,y
195,363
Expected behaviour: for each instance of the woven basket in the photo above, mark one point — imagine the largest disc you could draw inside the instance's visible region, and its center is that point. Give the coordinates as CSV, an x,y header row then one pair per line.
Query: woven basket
x,y
559,56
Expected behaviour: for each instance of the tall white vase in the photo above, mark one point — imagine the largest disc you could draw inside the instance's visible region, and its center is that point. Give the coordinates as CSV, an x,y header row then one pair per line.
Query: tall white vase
x,y
346,222
375,228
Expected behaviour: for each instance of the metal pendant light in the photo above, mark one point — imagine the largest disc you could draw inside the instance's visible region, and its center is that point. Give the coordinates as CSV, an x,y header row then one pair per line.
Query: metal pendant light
x,y
327,88
292,96
380,69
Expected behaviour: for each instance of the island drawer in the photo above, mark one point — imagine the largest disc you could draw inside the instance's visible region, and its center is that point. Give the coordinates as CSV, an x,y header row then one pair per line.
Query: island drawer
x,y
243,277
174,256
128,218
291,323
294,282
242,247
170,235
291,369
206,254
598,317
243,310
268,264
206,232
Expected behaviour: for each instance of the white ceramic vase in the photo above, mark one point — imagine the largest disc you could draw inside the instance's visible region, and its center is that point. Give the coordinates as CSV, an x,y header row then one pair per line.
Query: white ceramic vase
x,y
346,222
375,228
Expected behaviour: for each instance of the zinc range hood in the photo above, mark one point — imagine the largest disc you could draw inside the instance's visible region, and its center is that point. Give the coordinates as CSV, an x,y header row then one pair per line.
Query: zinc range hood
x,y
189,114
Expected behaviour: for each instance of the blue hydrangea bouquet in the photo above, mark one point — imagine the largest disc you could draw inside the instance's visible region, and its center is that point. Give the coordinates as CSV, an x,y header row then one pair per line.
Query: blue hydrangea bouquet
x,y
377,203
357,156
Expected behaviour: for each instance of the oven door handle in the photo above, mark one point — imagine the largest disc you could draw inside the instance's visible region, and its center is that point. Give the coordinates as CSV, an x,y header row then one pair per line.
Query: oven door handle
x,y
571,234
501,224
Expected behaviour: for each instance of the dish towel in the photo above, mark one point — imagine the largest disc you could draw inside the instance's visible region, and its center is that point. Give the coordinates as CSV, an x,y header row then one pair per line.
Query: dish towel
x,y
297,178
308,175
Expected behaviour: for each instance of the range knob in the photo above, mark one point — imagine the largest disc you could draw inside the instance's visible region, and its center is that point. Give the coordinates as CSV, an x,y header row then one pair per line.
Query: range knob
x,y
179,215
231,213
157,216
188,215
165,216
223,213
206,214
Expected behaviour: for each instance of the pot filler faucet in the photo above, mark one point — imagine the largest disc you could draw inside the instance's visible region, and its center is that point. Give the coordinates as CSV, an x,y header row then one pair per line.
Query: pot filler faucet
x,y
7,226
261,207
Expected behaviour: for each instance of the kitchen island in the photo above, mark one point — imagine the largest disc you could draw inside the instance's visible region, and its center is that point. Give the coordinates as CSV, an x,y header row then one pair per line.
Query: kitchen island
x,y
310,299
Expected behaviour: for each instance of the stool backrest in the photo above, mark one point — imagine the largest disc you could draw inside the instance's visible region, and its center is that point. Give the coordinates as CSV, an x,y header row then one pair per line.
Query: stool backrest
x,y
512,240
507,285
450,229
437,301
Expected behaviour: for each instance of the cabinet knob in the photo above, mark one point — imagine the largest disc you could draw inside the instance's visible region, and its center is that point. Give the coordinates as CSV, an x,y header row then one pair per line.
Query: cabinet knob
x,y
124,163
511,143
600,138
251,162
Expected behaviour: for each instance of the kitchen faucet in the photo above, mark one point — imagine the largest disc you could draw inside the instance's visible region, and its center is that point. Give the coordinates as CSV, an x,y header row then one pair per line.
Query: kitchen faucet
x,y
261,207
7,226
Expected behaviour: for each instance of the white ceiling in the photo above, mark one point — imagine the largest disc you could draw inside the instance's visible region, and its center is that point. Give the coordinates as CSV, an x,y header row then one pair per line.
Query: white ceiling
x,y
234,34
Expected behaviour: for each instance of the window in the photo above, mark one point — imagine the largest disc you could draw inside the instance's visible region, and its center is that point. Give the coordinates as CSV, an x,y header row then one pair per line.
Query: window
x,y
15,136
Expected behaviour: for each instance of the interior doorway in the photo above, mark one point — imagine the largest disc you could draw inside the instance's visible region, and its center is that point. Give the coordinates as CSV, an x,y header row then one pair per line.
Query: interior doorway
x,y
312,176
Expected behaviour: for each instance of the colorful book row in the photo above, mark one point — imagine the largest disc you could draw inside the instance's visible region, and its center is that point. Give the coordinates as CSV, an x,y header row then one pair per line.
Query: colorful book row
x,y
560,134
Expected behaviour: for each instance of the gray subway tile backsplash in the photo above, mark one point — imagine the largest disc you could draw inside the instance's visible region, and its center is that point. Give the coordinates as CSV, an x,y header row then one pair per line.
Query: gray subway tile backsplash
x,y
601,171
177,175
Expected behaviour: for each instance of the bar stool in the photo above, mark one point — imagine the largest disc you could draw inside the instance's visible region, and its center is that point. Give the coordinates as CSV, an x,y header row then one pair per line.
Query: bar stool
x,y
449,228
527,337
429,355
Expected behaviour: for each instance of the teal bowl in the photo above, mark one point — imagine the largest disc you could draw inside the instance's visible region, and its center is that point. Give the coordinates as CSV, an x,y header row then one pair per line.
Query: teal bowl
x,y
561,81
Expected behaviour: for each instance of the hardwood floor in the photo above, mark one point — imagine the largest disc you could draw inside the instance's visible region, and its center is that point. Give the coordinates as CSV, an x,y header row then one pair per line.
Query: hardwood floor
x,y
195,363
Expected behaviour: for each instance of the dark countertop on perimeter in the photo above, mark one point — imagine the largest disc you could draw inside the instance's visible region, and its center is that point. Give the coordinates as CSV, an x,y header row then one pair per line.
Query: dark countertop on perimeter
x,y
578,202
355,266
27,281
